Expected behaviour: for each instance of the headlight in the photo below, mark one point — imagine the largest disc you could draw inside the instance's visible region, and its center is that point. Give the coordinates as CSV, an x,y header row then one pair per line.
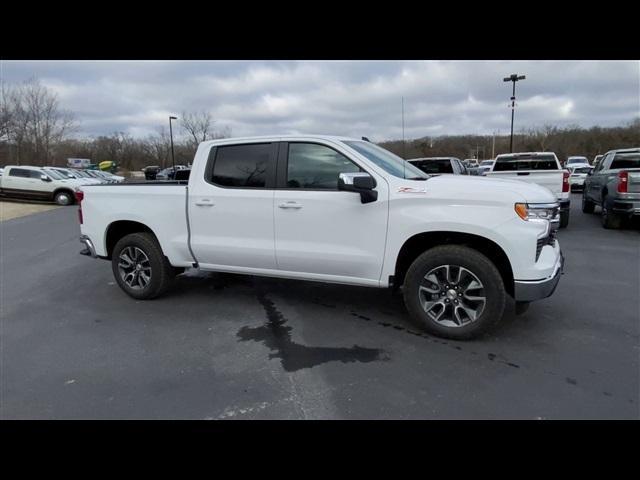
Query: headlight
x,y
538,211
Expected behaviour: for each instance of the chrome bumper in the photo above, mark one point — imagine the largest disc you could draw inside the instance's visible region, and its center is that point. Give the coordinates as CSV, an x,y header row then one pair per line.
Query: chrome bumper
x,y
528,291
90,250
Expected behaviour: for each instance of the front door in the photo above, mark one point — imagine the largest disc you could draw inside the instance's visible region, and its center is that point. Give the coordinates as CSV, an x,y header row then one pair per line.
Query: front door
x,y
231,211
322,231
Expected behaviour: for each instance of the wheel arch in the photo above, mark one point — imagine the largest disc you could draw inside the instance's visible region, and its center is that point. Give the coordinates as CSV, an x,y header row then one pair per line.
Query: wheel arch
x,y
421,242
118,229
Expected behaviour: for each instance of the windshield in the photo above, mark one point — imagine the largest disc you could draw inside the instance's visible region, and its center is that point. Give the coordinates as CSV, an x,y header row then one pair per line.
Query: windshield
x,y
386,160
582,170
577,160
62,173
54,174
486,163
433,165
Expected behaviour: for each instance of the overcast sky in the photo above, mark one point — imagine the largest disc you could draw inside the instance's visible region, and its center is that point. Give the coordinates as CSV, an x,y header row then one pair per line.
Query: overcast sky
x,y
353,98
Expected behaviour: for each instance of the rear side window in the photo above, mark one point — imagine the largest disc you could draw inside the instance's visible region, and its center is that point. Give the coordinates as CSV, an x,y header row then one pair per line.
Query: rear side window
x,y
241,165
434,166
316,166
19,172
519,162
626,160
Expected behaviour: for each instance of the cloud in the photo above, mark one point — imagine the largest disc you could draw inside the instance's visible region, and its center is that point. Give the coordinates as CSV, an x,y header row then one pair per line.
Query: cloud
x,y
352,98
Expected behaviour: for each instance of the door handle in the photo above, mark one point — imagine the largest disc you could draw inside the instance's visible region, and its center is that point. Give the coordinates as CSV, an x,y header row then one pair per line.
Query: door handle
x,y
290,205
205,203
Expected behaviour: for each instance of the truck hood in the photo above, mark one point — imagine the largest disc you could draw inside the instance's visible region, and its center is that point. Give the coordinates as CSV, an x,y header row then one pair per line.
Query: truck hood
x,y
488,188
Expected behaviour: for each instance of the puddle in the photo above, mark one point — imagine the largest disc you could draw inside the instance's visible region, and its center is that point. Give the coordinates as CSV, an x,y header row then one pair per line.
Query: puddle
x,y
276,335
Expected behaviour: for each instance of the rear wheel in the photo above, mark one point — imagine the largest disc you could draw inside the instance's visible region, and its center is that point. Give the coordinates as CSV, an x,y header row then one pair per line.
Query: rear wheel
x,y
454,292
587,205
140,267
609,219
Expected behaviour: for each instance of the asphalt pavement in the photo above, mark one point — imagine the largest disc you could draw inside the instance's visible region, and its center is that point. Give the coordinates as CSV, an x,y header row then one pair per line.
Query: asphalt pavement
x,y
219,346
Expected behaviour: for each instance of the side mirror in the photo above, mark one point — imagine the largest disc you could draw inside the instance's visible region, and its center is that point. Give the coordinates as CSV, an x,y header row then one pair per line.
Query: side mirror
x,y
359,182
44,178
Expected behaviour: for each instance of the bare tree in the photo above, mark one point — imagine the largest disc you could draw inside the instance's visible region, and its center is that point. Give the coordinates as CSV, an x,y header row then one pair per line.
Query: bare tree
x,y
198,126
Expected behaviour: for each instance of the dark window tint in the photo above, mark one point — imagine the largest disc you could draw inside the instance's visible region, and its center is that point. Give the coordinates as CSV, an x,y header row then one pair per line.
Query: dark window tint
x,y
316,166
434,166
19,172
626,160
582,170
241,165
521,162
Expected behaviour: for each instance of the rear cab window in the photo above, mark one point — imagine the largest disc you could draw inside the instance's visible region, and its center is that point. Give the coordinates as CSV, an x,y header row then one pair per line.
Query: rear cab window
x,y
507,163
626,160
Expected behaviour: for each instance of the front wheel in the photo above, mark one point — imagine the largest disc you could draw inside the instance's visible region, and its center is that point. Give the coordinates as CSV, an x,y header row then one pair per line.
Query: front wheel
x,y
564,219
454,292
140,267
63,198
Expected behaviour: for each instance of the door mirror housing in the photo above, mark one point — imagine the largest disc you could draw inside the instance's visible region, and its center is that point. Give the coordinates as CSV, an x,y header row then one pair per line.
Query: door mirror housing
x,y
359,182
44,178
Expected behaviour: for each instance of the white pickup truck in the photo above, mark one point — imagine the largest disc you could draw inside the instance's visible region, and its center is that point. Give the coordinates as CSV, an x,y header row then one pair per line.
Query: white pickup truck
x,y
541,168
338,210
36,183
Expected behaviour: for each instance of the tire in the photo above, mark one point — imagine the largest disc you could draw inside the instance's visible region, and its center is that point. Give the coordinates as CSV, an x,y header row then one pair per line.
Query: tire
x,y
587,205
459,325
154,275
522,307
609,219
63,198
564,219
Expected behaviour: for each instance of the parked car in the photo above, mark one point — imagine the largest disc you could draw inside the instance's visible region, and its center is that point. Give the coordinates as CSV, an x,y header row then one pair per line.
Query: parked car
x,y
37,184
614,184
150,172
439,165
169,173
575,161
577,175
596,159
472,162
541,168
70,174
337,210
484,167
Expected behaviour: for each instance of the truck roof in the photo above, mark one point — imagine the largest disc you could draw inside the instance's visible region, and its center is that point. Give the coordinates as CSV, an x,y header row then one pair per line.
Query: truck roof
x,y
272,138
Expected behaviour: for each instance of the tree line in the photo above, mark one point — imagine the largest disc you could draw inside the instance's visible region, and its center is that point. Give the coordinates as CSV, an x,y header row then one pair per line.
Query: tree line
x,y
36,130
564,142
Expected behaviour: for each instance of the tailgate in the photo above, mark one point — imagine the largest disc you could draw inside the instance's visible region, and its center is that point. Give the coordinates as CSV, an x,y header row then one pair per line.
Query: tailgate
x,y
634,181
552,179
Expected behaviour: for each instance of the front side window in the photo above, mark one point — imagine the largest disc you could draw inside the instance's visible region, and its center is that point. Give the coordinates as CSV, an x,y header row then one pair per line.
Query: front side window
x,y
36,174
241,165
316,166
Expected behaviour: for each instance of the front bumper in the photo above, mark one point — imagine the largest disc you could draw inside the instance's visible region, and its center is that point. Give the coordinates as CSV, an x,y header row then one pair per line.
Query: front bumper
x,y
528,291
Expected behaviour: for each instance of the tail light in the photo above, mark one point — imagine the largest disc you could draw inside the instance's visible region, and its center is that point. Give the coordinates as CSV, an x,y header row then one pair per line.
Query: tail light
x,y
623,182
79,198
565,182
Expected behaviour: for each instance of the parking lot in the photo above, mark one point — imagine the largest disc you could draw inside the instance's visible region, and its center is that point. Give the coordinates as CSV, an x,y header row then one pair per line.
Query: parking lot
x,y
233,347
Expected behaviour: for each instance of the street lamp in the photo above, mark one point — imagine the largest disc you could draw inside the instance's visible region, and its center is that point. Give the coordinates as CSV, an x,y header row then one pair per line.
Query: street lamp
x,y
513,78
173,160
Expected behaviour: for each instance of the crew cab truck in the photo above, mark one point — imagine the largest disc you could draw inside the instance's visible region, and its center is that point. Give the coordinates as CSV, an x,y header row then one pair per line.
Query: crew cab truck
x,y
339,210
541,168
35,183
614,184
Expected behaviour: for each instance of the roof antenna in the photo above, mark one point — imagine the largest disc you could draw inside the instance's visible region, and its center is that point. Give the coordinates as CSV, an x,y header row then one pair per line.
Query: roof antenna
x,y
404,155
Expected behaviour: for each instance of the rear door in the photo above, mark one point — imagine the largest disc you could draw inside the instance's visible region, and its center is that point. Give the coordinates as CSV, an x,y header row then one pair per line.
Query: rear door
x,y
322,231
231,208
598,178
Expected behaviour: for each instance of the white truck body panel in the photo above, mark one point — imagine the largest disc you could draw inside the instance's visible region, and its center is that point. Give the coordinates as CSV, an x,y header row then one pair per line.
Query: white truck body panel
x,y
328,235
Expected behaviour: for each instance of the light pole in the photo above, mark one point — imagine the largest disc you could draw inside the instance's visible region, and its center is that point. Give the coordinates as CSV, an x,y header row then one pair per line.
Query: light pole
x,y
173,160
513,78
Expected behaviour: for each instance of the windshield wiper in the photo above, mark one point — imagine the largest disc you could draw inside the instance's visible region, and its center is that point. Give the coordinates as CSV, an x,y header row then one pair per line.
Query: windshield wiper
x,y
418,178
